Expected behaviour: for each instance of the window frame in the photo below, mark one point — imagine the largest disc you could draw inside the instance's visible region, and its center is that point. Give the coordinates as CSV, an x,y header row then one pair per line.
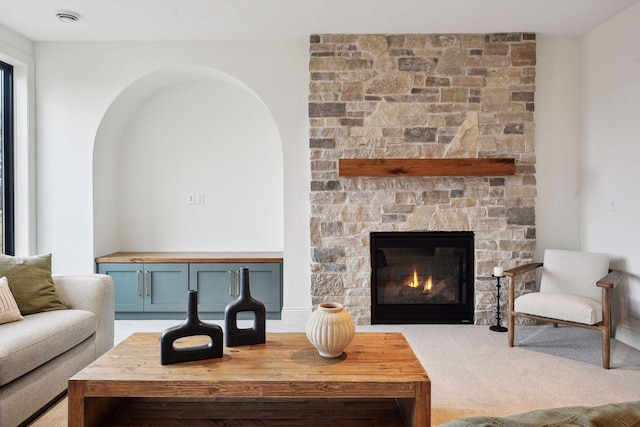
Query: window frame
x,y
8,208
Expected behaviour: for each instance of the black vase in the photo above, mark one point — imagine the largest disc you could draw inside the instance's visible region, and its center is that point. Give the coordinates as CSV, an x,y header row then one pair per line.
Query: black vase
x,y
192,326
245,303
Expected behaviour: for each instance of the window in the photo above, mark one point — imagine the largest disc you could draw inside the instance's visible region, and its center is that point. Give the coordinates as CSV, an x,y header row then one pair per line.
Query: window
x,y
6,158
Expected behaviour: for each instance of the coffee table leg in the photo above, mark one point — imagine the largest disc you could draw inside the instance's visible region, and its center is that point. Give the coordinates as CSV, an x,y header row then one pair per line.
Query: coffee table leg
x,y
417,412
89,411
76,404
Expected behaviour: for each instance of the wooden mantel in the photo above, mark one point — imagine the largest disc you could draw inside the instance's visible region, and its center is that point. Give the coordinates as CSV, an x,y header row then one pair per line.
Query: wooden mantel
x,y
427,167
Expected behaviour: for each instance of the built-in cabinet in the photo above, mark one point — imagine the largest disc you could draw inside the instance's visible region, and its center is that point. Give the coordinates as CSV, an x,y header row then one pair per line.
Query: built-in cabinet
x,y
148,287
219,283
155,285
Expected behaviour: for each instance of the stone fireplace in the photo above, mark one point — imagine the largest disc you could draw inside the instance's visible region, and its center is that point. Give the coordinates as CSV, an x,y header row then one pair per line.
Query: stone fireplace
x,y
419,96
422,277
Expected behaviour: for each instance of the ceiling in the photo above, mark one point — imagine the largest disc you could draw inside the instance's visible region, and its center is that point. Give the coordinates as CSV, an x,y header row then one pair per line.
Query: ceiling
x,y
201,20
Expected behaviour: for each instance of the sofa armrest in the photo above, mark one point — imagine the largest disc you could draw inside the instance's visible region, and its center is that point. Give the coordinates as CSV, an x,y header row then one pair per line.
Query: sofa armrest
x,y
94,293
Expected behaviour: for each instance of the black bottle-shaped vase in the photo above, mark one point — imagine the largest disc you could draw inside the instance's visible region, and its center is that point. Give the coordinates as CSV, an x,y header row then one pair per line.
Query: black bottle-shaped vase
x,y
245,303
192,326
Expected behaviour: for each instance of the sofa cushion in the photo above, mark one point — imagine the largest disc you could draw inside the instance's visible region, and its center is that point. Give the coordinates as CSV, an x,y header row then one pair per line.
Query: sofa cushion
x,y
574,273
625,414
572,308
9,311
39,338
31,283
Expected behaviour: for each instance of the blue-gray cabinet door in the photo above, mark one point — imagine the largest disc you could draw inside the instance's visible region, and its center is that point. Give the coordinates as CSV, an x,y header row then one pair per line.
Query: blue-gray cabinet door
x,y
218,284
166,287
215,283
265,281
127,283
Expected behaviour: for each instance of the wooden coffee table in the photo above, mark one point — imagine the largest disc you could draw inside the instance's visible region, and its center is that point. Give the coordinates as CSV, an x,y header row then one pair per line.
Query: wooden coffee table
x,y
283,382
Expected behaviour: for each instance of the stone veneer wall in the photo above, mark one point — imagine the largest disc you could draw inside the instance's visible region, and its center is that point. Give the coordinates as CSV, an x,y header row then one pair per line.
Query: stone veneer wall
x,y
413,96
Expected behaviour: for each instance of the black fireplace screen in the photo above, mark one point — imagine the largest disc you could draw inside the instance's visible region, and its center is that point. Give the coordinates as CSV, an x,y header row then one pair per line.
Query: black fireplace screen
x,y
422,277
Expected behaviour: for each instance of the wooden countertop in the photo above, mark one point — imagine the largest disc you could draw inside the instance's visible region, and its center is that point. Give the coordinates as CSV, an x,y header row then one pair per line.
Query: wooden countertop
x,y
191,257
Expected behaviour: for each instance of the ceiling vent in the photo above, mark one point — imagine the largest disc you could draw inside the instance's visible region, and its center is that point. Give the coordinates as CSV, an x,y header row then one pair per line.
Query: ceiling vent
x,y
67,16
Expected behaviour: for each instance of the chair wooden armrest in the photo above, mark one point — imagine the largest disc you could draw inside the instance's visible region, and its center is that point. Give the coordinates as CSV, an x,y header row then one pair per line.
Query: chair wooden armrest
x,y
611,280
522,269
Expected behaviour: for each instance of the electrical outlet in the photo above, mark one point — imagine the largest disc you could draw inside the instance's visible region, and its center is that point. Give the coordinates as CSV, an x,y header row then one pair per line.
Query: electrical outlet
x,y
191,199
199,198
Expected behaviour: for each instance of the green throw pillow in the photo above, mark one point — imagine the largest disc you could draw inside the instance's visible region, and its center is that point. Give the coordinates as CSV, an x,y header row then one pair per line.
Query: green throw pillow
x,y
31,283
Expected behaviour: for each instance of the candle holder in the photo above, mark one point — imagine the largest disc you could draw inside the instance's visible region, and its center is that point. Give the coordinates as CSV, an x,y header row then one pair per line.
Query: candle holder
x,y
497,327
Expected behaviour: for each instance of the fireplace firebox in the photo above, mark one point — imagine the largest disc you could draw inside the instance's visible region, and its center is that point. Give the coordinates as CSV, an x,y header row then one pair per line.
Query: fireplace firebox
x,y
422,277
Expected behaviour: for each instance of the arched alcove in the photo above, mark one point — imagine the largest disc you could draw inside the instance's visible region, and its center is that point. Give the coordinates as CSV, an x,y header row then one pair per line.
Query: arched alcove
x,y
187,131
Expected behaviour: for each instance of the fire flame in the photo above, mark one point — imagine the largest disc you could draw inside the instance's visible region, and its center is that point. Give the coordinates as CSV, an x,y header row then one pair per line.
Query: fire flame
x,y
427,286
416,283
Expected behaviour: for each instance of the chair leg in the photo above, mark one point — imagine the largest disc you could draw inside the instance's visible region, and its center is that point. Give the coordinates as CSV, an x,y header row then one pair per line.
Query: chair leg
x,y
606,328
511,331
555,325
606,347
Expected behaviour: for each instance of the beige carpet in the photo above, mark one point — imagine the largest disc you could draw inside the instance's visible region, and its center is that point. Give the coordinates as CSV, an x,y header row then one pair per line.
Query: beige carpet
x,y
473,371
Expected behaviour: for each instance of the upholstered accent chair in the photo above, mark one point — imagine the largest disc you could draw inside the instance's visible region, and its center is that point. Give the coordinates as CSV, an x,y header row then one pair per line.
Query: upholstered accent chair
x,y
574,290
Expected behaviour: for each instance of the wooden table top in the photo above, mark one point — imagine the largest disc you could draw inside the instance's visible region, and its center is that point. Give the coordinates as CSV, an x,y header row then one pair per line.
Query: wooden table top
x,y
378,364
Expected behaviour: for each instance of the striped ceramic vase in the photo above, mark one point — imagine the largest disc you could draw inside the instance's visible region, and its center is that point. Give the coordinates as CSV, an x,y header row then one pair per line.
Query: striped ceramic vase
x,y
330,329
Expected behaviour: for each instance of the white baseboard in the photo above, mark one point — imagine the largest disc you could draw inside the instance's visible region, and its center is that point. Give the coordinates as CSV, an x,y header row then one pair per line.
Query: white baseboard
x,y
628,334
296,314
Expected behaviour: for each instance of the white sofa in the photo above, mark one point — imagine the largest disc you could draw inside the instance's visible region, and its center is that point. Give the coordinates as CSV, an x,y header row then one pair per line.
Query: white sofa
x,y
39,354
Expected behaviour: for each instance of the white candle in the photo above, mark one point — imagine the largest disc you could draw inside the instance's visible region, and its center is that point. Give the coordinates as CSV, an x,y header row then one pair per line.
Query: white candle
x,y
498,271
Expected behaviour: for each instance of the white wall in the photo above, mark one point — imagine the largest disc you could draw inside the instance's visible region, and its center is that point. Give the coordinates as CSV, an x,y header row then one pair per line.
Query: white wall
x,y
202,136
18,52
611,149
78,82
557,118
587,105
